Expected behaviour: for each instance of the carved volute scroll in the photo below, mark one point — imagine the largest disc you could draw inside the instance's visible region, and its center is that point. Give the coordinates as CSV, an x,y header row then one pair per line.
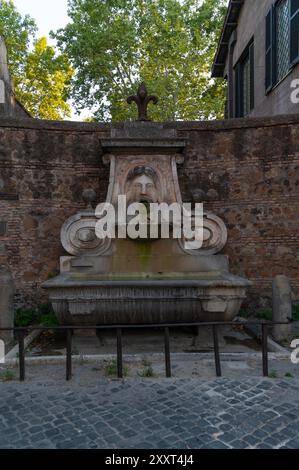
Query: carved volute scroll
x,y
215,237
78,236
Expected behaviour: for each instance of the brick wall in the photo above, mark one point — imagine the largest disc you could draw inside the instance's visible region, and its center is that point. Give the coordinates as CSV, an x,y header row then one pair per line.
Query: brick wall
x,y
252,166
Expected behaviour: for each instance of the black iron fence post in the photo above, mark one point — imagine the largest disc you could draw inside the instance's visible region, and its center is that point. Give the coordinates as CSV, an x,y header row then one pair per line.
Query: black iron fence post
x,y
167,353
265,349
119,354
216,351
69,347
21,337
21,332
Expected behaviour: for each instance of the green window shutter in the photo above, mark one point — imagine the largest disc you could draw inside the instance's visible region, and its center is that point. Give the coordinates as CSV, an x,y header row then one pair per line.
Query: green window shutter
x,y
244,82
238,88
270,54
294,27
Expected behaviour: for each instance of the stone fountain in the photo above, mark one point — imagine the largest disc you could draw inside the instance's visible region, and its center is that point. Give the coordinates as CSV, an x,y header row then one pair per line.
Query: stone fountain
x,y
126,281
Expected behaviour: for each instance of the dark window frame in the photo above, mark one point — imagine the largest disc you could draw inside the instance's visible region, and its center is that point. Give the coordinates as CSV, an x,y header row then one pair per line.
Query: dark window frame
x,y
247,55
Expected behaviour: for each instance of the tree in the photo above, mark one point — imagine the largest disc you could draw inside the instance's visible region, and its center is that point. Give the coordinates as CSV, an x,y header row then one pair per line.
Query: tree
x,y
45,87
169,44
18,32
41,78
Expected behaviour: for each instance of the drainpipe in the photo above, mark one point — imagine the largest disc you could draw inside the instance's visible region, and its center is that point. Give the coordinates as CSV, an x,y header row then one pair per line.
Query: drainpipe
x,y
230,76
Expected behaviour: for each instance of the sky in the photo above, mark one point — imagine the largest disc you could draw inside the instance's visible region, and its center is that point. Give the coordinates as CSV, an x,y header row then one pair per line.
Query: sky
x,y
48,14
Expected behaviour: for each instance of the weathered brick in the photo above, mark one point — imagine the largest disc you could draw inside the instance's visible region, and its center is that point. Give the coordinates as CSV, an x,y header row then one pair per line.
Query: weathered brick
x,y
251,165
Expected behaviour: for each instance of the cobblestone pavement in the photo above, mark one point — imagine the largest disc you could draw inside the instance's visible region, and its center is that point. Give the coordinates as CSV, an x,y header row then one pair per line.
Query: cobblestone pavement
x,y
174,414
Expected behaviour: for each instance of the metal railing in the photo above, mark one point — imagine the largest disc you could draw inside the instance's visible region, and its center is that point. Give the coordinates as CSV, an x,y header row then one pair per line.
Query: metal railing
x,y
20,332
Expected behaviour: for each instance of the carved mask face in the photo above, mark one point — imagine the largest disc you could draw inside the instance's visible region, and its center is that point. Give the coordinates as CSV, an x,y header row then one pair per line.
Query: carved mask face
x,y
142,189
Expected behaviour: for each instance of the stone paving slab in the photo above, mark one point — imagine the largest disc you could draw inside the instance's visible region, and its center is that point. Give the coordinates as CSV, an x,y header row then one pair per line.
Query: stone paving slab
x,y
152,414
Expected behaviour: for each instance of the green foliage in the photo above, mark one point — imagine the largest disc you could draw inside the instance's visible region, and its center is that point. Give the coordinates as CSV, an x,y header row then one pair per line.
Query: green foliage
x,y
296,312
51,275
288,375
42,315
147,371
264,314
111,369
244,314
45,86
273,375
18,32
46,315
48,320
169,44
25,317
41,77
7,376
146,363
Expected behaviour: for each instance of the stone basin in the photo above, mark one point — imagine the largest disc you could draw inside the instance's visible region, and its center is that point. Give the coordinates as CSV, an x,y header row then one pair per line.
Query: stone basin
x,y
146,298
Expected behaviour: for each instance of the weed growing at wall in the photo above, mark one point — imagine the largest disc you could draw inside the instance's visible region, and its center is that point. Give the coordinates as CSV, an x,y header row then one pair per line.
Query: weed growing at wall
x,y
41,315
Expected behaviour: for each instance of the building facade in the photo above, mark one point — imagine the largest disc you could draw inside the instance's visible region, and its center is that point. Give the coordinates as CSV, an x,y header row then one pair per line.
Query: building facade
x,y
258,55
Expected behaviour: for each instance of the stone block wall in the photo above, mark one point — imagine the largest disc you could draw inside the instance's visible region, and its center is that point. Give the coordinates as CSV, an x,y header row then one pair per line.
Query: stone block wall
x,y
251,165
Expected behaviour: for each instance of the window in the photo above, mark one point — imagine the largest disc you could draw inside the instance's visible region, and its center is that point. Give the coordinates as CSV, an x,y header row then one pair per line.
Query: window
x,y
244,81
282,40
282,27
294,31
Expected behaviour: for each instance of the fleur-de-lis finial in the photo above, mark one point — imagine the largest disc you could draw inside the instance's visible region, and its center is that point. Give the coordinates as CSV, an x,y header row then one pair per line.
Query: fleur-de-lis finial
x,y
142,99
